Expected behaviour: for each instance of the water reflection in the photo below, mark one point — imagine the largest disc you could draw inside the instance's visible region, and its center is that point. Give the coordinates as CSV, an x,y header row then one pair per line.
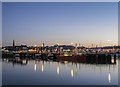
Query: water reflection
x,y
71,72
109,77
65,62
76,70
94,74
35,67
24,61
42,68
58,70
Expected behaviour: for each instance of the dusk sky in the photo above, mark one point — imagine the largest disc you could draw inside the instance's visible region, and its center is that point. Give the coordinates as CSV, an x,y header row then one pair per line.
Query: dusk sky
x,y
63,23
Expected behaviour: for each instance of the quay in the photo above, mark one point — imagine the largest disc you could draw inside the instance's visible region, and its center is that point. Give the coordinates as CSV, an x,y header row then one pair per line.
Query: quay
x,y
85,58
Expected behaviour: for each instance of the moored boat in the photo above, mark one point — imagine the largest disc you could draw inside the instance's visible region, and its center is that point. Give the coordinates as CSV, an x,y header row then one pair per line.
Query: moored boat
x,y
50,57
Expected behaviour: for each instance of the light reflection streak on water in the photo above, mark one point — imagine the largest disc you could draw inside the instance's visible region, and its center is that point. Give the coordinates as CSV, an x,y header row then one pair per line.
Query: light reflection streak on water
x,y
42,68
71,72
35,67
76,71
109,77
58,70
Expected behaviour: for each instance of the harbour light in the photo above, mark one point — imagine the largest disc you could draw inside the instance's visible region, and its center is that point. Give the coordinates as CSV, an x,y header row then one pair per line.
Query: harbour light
x,y
65,62
71,43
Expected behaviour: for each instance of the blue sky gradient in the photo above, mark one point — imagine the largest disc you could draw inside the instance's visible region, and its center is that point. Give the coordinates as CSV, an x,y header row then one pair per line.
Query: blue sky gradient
x,y
51,23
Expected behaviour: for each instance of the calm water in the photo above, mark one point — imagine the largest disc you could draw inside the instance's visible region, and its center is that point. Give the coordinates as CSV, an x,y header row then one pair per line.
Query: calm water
x,y
0,72
36,72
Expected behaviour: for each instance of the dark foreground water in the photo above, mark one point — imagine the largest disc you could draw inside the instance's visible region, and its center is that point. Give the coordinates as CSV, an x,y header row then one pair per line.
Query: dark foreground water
x,y
38,72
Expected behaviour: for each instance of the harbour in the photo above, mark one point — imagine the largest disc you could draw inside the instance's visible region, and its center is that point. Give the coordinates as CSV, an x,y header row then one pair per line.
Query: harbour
x,y
60,43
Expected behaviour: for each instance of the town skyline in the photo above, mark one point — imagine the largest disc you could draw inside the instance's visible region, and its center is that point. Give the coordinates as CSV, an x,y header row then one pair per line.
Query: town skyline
x,y
63,23
72,44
